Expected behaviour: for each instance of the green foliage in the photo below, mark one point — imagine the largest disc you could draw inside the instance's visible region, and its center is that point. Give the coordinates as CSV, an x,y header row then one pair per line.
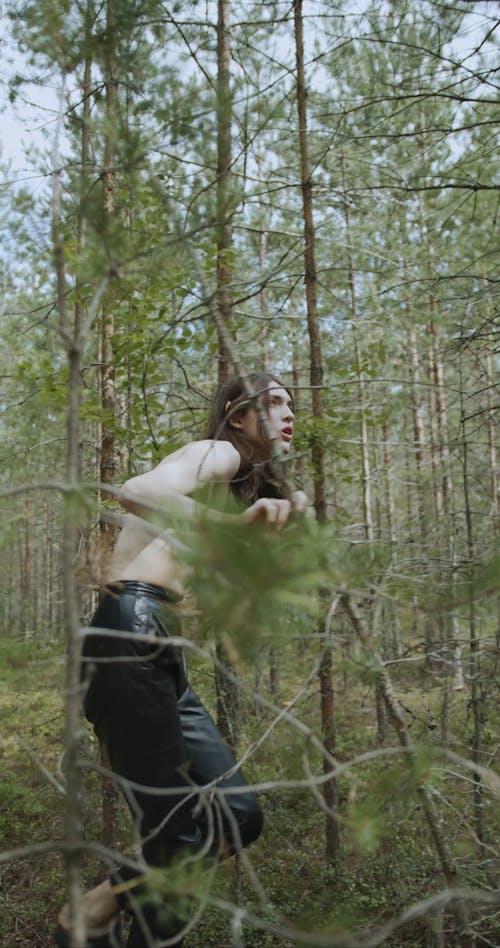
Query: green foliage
x,y
180,889
246,581
366,826
387,859
402,156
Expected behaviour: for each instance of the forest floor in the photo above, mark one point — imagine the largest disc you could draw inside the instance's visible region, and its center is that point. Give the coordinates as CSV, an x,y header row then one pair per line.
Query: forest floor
x,y
387,861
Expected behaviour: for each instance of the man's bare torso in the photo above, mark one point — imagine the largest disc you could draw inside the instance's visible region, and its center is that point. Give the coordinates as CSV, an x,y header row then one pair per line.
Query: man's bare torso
x,y
140,556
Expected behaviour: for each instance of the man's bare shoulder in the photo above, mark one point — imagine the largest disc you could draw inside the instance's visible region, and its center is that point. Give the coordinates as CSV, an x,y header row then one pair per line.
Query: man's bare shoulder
x,y
213,460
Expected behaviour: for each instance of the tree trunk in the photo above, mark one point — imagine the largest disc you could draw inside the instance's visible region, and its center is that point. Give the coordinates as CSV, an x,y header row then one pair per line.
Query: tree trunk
x,y
264,333
316,362
26,571
107,466
330,791
365,453
388,492
274,670
419,445
492,446
224,229
366,495
108,453
225,685
73,814
417,419
297,397
228,698
476,692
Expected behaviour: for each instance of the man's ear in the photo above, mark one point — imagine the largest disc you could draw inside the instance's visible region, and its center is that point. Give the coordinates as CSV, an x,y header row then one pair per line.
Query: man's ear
x,y
234,417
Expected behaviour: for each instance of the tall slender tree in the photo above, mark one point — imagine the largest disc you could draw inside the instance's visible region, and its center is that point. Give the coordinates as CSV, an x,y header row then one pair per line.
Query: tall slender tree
x,y
330,789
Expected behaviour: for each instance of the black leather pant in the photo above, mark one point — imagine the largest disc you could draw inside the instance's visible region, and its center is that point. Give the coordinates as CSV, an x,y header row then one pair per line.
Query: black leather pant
x,y
159,735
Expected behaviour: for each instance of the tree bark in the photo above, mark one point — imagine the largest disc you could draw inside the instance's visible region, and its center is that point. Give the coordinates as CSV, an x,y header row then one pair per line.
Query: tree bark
x,y
223,197
73,814
417,419
364,447
419,455
225,685
274,670
330,790
476,692
107,373
316,362
26,567
492,445
108,452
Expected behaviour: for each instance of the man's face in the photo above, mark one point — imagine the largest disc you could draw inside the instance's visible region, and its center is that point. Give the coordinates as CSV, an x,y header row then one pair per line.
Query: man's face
x,y
280,418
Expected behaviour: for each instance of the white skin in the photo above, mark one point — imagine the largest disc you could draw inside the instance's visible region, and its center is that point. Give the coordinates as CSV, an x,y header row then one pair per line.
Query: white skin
x,y
139,557
169,485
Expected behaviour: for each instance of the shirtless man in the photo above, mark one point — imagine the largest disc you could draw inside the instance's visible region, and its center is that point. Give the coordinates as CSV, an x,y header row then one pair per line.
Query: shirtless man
x,y
152,723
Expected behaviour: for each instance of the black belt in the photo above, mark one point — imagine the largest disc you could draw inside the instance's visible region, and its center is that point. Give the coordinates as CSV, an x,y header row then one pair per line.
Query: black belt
x,y
135,587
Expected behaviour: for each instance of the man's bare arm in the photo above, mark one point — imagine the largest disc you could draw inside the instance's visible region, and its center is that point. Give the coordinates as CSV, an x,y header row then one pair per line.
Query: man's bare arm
x,y
171,482
169,485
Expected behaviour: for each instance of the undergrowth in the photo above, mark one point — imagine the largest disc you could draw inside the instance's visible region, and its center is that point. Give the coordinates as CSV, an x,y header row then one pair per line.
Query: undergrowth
x,y
387,861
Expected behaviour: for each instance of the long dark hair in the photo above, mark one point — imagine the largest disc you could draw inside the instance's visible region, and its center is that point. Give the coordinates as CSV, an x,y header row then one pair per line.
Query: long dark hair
x,y
255,478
